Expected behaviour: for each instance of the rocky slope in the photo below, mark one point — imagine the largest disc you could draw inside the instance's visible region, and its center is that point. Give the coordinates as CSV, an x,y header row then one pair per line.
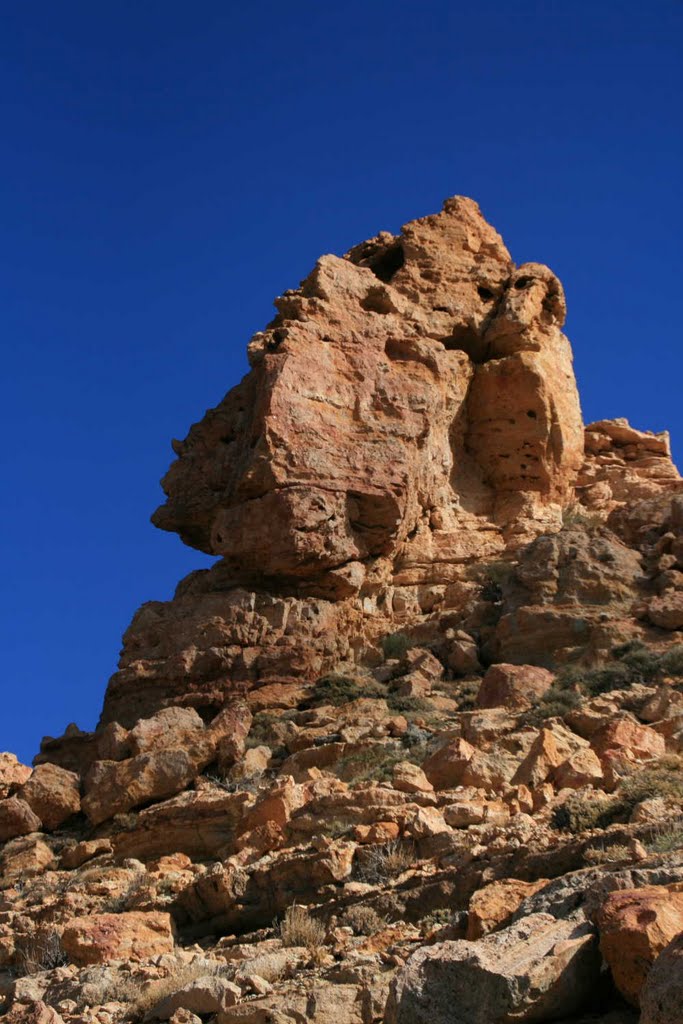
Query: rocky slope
x,y
410,750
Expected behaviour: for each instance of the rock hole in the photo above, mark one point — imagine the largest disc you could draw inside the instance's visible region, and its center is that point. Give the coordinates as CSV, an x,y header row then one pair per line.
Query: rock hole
x,y
388,262
531,414
377,301
485,294
523,282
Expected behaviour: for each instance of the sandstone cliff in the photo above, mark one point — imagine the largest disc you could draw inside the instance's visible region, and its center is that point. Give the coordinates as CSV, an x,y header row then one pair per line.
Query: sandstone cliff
x,y
425,710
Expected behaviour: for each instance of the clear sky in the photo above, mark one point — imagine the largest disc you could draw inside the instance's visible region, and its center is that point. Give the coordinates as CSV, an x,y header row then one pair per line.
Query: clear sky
x,y
168,168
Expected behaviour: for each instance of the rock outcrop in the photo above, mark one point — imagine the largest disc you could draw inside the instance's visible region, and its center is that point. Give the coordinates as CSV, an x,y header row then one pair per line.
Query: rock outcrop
x,y
411,748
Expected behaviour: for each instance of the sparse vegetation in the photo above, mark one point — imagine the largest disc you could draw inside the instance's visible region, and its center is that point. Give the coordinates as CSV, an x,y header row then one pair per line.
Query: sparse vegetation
x,y
299,928
338,689
364,920
41,951
373,763
579,812
557,702
407,705
602,854
261,731
662,778
494,577
666,838
576,516
382,863
396,645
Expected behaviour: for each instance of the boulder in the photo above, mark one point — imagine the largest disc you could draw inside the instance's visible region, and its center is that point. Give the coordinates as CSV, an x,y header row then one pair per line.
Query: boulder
x,y
494,905
206,994
635,925
135,935
17,819
666,611
513,686
661,997
535,970
113,787
551,748
12,774
446,766
53,793
409,778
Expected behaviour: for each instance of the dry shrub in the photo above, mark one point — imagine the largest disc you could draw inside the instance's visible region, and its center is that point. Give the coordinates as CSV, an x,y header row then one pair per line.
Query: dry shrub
x,y
666,838
299,928
41,951
142,995
382,863
606,854
364,920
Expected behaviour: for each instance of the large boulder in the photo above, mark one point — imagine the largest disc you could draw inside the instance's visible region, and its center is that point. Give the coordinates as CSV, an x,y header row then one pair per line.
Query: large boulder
x,y
17,819
53,793
12,774
102,937
635,925
661,997
535,970
513,686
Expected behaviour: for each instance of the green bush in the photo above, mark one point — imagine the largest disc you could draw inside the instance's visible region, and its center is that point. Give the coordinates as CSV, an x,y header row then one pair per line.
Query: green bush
x,y
396,645
671,662
579,813
666,839
557,702
662,779
338,689
407,705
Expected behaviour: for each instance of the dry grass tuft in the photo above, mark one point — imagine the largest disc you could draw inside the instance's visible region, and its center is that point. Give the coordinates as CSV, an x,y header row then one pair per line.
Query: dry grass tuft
x,y
299,928
382,863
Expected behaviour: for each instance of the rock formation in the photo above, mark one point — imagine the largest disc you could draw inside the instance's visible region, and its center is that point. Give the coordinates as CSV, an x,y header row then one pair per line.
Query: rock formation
x,y
425,709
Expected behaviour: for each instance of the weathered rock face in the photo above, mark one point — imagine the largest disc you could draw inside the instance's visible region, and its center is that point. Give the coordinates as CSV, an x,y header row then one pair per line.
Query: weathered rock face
x,y
411,408
425,710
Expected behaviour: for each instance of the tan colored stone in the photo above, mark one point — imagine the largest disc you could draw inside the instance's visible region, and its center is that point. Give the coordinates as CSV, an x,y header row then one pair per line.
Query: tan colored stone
x,y
12,774
53,794
494,905
409,778
625,734
582,768
551,748
17,819
446,766
667,611
125,936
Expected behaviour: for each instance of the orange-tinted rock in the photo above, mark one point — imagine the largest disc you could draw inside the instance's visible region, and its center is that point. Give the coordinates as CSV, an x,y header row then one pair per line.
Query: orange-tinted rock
x,y
625,734
551,748
380,832
582,768
635,926
494,905
53,793
409,778
446,766
513,686
17,819
126,936
24,857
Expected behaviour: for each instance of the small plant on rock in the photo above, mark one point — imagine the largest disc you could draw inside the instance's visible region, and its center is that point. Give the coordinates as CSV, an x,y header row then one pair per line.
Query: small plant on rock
x,y
299,928
382,863
666,838
41,951
606,854
396,645
364,920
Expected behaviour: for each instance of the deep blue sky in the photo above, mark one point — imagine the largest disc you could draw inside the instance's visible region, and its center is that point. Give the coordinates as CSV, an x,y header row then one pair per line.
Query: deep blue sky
x,y
168,168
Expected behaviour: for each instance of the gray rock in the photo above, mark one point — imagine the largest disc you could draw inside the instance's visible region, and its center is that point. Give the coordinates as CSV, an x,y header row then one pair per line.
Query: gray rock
x,y
537,969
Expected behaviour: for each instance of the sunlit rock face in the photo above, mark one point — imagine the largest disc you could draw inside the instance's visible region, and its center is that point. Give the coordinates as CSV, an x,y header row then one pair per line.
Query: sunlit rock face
x,y
399,399
410,415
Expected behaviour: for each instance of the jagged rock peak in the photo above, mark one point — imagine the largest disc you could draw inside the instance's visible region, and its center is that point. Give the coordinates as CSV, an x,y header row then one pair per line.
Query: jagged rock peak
x,y
407,399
